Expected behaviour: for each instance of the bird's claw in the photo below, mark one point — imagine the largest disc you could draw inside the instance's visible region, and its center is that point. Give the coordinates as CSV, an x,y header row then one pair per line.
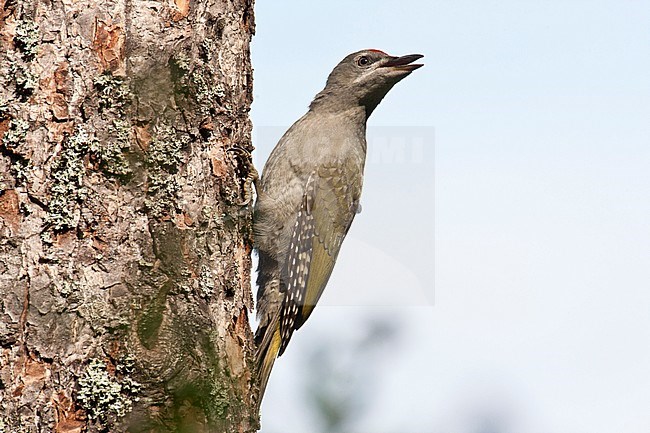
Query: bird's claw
x,y
250,181
251,177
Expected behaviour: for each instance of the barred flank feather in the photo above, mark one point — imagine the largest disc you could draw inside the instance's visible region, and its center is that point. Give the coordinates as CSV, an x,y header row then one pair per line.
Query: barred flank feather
x,y
296,270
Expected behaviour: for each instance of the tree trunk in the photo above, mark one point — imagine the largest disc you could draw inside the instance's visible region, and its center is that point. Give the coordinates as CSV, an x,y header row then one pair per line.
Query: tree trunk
x,y
124,223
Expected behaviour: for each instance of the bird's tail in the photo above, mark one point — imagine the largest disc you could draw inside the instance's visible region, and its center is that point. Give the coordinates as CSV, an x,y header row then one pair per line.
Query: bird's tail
x,y
267,351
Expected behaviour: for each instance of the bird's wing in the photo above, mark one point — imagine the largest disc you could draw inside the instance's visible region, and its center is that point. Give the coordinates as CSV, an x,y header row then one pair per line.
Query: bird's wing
x,y
324,217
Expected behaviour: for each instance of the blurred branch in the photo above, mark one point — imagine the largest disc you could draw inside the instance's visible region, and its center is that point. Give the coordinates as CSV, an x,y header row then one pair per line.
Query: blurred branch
x,y
343,374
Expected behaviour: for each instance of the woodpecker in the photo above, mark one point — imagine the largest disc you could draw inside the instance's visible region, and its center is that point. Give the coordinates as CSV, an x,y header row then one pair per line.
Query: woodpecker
x,y
309,194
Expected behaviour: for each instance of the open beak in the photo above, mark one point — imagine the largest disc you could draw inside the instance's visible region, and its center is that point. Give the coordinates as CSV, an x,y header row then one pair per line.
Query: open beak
x,y
404,63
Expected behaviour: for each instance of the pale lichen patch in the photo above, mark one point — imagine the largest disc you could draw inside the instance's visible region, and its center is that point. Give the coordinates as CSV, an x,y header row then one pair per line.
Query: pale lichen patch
x,y
102,394
67,181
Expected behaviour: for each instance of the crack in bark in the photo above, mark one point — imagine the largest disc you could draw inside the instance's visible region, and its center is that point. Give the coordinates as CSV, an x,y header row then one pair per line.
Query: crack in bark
x,y
22,322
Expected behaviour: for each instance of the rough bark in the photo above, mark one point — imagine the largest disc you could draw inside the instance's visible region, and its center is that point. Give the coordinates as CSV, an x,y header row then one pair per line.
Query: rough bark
x,y
124,232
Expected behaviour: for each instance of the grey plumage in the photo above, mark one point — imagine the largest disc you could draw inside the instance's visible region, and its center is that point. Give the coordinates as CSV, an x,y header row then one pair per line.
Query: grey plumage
x,y
309,194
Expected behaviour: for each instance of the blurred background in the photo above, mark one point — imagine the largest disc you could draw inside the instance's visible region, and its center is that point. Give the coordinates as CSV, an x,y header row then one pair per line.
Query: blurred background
x,y
497,279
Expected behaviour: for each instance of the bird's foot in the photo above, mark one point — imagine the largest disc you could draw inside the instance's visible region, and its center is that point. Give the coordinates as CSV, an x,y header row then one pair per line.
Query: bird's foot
x,y
251,176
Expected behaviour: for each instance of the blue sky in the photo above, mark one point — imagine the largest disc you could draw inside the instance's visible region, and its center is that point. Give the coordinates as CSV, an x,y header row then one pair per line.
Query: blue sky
x,y
505,228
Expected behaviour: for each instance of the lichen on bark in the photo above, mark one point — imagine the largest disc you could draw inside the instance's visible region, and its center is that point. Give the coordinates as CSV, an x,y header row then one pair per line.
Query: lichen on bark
x,y
124,233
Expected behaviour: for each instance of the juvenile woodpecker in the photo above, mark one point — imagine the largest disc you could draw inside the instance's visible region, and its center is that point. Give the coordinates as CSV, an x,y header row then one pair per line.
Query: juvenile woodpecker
x,y
309,195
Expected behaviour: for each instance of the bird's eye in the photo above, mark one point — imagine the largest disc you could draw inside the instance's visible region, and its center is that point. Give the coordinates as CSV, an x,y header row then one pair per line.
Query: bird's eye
x,y
363,61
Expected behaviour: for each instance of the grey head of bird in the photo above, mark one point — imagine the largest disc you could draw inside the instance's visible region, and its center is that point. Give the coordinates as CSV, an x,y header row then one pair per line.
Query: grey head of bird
x,y
362,79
